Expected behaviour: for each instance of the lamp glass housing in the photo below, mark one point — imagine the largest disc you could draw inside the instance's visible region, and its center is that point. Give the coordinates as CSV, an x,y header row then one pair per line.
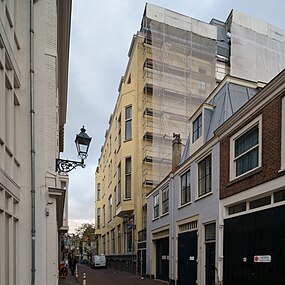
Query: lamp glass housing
x,y
82,142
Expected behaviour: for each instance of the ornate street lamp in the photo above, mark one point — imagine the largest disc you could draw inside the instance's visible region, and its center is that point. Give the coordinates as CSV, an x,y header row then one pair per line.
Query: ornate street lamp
x,y
82,142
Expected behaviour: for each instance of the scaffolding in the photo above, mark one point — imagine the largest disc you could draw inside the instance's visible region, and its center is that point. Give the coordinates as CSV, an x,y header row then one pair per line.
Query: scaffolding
x,y
179,72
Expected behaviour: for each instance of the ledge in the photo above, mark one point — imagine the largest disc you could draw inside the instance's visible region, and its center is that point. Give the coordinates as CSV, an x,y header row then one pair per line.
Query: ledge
x,y
247,175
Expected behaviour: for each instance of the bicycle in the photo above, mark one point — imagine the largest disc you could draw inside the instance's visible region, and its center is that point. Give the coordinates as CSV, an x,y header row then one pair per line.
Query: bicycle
x,y
62,270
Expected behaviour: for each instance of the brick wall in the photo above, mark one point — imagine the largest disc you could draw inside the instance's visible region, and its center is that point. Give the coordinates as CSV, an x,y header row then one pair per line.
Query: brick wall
x,y
271,153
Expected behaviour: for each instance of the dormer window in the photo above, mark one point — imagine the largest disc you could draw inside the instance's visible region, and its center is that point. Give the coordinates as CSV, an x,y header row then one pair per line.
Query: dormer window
x,y
197,128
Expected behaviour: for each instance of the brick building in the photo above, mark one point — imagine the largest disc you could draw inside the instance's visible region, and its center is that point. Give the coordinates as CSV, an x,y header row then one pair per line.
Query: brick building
x,y
252,189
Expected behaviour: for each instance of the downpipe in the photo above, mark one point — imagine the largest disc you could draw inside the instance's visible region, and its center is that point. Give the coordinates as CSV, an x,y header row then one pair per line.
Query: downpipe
x,y
33,152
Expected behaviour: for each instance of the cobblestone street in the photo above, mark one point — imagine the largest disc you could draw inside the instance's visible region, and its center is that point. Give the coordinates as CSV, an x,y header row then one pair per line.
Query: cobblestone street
x,y
108,277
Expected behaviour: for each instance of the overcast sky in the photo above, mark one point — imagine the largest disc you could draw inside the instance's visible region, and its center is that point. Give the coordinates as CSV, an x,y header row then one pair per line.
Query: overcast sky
x,y
101,34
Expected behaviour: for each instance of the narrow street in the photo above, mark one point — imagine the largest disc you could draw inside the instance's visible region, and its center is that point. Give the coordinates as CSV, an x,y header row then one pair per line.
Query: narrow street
x,y
108,277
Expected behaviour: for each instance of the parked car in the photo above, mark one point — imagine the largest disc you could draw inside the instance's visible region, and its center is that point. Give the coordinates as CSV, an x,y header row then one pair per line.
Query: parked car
x,y
85,261
98,261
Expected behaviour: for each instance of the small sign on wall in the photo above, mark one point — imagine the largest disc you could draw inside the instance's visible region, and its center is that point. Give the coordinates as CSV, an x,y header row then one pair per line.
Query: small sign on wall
x,y
262,258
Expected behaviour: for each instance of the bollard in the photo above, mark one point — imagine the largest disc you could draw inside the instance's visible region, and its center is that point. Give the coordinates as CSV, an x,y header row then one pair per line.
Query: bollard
x,y
76,272
84,279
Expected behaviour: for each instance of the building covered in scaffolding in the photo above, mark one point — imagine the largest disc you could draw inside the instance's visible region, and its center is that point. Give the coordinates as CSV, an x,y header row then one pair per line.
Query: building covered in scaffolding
x,y
175,62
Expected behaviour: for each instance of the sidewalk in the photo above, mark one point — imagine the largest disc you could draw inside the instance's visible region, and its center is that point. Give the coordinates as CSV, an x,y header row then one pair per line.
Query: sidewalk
x,y
69,280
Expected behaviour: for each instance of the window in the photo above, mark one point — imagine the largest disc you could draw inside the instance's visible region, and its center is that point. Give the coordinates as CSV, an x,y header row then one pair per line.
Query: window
x,y
185,188
104,244
130,238
113,241
128,177
119,239
260,202
197,128
156,206
241,207
108,243
205,176
119,132
110,145
125,237
210,232
128,123
104,215
279,196
98,218
165,200
110,208
115,199
110,173
246,150
119,183
98,191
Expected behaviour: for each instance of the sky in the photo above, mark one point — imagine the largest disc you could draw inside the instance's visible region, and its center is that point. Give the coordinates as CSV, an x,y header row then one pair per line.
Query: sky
x,y
101,33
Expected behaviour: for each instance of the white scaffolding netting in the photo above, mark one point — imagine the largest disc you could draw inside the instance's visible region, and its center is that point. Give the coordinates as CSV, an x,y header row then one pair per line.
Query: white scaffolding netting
x,y
179,72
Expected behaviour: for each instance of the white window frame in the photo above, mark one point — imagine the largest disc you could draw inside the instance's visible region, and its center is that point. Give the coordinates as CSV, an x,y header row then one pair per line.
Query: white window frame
x,y
199,130
180,194
163,202
128,176
128,122
256,121
198,195
156,205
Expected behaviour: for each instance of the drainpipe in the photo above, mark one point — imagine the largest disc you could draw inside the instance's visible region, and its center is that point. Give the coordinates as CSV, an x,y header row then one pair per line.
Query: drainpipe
x,y
33,152
172,229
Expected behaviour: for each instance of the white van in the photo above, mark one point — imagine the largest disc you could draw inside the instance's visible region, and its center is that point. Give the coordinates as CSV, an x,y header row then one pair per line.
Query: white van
x,y
99,261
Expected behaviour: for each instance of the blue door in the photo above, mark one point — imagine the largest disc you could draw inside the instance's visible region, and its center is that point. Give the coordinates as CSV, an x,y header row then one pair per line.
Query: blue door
x,y
187,258
162,259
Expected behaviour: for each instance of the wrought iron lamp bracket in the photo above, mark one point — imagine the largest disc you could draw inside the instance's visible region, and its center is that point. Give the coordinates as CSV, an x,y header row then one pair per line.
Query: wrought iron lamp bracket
x,y
64,165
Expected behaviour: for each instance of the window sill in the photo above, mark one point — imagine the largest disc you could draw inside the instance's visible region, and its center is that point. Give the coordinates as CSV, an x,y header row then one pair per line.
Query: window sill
x,y
244,176
164,214
154,219
204,196
184,205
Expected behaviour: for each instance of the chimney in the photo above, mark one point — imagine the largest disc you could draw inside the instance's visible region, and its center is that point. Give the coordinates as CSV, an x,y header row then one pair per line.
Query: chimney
x,y
176,150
